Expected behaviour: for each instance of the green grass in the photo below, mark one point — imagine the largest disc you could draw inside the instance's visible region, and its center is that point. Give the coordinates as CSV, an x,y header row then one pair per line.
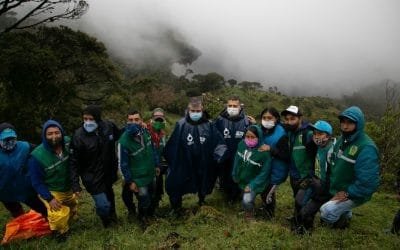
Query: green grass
x,y
218,225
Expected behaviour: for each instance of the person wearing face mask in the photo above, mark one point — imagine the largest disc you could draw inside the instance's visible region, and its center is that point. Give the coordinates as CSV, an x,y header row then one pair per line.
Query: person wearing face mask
x,y
302,152
354,170
49,171
232,123
138,162
156,128
94,160
15,183
275,141
251,169
311,199
192,152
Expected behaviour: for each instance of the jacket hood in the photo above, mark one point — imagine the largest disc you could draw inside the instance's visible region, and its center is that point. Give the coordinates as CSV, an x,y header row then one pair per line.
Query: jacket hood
x,y
355,114
46,125
260,134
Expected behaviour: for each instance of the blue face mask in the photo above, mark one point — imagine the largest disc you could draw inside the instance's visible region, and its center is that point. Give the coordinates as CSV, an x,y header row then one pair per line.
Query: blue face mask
x,y
90,126
133,129
8,144
195,116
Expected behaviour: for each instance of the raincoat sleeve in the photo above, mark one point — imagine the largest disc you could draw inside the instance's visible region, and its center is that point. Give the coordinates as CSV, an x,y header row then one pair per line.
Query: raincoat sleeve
x,y
37,175
262,179
366,173
172,144
220,150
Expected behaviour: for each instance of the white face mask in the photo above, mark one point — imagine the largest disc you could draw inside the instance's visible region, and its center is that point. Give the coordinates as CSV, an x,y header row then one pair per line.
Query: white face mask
x,y
268,124
90,126
233,111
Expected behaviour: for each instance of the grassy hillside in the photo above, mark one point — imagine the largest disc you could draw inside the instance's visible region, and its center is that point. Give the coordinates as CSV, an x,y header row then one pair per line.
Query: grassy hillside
x,y
219,226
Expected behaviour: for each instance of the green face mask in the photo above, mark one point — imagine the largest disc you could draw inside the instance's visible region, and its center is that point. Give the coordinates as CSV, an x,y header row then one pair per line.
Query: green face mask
x,y
158,125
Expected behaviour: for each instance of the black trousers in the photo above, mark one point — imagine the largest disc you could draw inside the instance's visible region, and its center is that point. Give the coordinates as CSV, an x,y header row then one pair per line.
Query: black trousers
x,y
229,187
269,207
15,208
145,199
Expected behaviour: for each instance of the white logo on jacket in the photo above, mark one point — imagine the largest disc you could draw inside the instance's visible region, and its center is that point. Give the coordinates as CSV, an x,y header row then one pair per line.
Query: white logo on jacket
x,y
189,139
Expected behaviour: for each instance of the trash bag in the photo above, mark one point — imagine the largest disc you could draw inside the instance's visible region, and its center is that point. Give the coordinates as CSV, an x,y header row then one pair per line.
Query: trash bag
x,y
58,220
28,225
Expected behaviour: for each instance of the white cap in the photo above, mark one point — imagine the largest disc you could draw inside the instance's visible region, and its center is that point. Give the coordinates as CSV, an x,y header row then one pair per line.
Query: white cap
x,y
294,110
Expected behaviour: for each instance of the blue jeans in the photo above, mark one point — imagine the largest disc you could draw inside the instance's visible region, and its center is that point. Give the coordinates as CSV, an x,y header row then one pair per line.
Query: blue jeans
x,y
248,200
102,204
332,210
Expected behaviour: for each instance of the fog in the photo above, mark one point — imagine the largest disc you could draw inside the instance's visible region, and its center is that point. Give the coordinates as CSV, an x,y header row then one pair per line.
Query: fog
x,y
308,47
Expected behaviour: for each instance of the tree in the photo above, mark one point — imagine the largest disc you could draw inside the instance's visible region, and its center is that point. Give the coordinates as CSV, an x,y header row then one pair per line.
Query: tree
x,y
246,85
209,82
386,135
60,72
35,12
232,82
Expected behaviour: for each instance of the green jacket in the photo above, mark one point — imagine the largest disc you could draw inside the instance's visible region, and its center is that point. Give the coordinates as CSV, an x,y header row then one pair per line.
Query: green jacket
x,y
56,169
321,163
302,158
252,167
137,159
355,162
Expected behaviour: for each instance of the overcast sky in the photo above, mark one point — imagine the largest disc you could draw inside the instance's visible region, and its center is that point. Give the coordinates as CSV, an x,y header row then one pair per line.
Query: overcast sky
x,y
312,46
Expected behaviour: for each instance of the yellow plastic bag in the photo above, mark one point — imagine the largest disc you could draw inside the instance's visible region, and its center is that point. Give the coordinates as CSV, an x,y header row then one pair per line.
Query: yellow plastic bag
x,y
28,225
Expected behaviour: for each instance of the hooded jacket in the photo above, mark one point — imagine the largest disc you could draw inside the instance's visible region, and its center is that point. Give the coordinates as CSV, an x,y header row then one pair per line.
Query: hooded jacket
x,y
355,162
252,167
50,172
15,182
94,158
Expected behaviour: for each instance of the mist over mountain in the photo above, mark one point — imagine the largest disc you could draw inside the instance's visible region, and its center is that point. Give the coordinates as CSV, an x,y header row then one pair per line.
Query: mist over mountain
x,y
308,47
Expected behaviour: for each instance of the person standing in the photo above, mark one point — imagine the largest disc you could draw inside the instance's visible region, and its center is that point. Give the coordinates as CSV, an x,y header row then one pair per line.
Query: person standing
x,y
192,152
94,159
232,123
156,128
138,161
275,141
302,152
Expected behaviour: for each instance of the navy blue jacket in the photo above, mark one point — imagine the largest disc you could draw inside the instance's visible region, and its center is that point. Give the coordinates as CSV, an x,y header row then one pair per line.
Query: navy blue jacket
x,y
192,152
15,183
232,129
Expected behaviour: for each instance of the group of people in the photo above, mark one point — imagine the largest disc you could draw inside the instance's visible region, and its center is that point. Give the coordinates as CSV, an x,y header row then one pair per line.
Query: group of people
x,y
327,174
